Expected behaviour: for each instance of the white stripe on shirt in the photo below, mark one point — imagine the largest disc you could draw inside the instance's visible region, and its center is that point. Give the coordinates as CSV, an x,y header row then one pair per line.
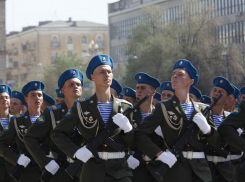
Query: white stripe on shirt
x,y
105,110
218,119
33,118
188,108
4,121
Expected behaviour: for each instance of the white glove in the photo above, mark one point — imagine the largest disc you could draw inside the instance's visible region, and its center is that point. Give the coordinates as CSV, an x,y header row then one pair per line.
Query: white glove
x,y
202,123
123,122
132,162
239,130
23,160
83,154
168,158
52,167
158,131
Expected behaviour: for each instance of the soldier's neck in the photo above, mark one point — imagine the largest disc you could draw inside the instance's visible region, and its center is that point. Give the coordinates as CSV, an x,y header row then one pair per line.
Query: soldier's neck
x,y
70,102
34,111
103,94
182,95
229,109
218,109
146,106
4,113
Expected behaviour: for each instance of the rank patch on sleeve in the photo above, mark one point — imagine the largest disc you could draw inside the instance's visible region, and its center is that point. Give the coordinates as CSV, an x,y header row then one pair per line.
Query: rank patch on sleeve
x,y
41,119
6,128
236,111
68,114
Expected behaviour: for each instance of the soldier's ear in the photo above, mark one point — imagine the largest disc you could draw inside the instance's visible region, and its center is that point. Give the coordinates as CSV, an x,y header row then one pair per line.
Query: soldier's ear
x,y
92,77
191,82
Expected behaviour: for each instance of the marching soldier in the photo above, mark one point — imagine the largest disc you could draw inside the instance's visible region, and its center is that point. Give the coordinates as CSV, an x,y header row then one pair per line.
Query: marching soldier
x,y
206,99
129,95
173,117
166,90
70,83
230,104
195,94
156,98
90,116
17,102
17,128
60,96
47,101
116,88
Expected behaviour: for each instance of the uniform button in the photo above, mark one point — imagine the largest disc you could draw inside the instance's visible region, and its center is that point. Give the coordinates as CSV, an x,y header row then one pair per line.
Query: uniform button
x,y
105,145
188,145
147,162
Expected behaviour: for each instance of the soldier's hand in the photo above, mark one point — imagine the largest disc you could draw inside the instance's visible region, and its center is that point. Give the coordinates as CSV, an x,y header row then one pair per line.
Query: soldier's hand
x,y
52,167
133,162
202,123
23,160
168,158
240,131
83,154
158,131
123,122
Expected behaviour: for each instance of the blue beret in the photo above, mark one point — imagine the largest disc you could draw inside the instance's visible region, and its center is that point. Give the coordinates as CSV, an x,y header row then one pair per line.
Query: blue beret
x,y
145,78
116,86
70,73
129,92
167,85
224,83
205,99
157,96
32,85
26,104
97,61
48,98
120,96
196,92
18,95
5,88
185,64
237,92
242,90
59,93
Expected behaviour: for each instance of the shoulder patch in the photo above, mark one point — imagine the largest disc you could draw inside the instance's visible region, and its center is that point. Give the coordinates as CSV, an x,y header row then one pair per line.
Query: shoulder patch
x,y
84,99
41,119
124,101
164,100
7,128
18,116
153,111
236,111
68,114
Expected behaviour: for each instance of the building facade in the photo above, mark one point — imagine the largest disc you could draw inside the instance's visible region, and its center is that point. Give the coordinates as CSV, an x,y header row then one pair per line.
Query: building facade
x,y
3,75
30,50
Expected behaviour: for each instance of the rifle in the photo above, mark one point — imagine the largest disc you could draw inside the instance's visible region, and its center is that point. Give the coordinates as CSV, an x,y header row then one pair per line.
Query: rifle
x,y
103,137
187,138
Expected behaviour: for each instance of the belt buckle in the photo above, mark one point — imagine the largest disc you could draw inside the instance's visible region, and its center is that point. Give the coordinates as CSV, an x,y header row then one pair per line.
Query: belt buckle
x,y
107,155
187,155
214,160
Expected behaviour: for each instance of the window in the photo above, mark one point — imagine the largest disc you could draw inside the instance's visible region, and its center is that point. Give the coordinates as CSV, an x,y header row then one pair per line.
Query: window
x,y
84,40
69,53
69,40
54,55
55,41
84,54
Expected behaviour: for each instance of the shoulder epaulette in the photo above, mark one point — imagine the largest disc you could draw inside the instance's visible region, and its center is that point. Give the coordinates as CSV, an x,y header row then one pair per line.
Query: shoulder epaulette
x,y
164,100
54,107
18,115
200,103
83,99
124,101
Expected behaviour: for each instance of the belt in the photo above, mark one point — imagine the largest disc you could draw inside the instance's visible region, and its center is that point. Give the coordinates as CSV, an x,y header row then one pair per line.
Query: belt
x,y
216,159
70,160
146,158
111,155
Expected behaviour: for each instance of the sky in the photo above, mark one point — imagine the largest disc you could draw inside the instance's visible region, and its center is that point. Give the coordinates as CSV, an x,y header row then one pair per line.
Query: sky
x,y
22,13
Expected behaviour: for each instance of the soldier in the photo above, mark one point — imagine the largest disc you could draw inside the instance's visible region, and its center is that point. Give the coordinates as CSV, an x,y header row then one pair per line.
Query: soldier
x,y
242,91
221,169
129,95
47,101
166,90
17,102
16,130
116,88
90,116
230,104
195,94
70,83
146,84
60,96
156,98
205,99
173,116
120,96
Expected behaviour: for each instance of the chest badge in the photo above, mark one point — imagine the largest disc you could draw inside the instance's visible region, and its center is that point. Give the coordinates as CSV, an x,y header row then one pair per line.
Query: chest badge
x,y
90,118
135,125
170,113
175,118
86,112
22,126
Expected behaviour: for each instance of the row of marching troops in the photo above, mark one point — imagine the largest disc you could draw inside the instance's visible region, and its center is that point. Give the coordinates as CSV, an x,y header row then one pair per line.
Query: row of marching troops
x,y
141,136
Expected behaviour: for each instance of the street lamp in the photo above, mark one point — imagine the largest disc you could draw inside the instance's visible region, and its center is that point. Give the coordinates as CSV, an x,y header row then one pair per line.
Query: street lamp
x,y
224,54
92,47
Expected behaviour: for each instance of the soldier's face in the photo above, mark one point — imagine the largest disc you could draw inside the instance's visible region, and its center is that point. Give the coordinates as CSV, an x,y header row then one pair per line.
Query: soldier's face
x,y
155,101
181,79
102,76
16,106
34,98
114,92
215,93
230,102
166,94
72,88
59,100
130,99
4,100
142,89
242,97
194,97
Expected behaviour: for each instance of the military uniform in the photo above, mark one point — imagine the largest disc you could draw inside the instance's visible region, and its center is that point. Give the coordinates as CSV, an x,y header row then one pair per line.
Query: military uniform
x,y
14,132
195,169
86,116
41,130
